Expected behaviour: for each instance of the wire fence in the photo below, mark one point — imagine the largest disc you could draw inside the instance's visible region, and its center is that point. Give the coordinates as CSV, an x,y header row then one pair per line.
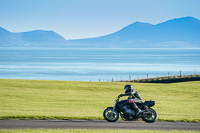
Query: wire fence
x,y
151,76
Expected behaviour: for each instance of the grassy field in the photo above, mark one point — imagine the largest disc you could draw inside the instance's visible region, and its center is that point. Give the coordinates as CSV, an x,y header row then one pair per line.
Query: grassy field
x,y
89,131
39,99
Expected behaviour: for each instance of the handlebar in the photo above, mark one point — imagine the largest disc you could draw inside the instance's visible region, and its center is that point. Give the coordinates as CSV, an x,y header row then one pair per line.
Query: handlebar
x,y
118,97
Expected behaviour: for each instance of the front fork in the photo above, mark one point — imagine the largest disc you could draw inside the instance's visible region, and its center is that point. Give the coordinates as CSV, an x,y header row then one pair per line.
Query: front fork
x,y
114,106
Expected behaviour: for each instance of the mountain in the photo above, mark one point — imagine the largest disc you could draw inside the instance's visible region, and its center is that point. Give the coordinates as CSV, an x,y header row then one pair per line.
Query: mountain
x,y
176,33
37,38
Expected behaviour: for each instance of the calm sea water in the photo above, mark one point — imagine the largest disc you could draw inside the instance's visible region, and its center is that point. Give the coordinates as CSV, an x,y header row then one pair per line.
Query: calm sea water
x,y
95,64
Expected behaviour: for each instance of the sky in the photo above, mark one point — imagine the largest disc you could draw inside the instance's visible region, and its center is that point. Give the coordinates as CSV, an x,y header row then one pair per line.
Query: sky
x,y
76,19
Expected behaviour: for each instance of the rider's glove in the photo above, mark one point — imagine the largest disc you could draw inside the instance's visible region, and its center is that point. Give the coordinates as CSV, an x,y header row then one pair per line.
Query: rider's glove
x,y
120,95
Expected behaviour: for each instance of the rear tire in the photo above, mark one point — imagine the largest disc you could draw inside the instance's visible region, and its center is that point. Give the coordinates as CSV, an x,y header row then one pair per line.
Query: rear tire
x,y
149,115
107,114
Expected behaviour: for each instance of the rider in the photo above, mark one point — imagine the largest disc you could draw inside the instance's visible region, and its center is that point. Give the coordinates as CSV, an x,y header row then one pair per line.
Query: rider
x,y
134,96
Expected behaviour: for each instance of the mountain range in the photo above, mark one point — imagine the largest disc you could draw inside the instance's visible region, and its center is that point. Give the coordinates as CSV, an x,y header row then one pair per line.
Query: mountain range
x,y
176,33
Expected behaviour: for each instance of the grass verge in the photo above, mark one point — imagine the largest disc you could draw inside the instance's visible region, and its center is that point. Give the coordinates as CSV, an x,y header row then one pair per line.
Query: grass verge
x,y
42,99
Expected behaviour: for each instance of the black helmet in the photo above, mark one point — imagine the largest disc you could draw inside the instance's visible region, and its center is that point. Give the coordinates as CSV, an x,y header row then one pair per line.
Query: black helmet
x,y
128,88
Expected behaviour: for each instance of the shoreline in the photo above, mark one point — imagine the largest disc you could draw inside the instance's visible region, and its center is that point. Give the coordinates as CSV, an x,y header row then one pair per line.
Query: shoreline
x,y
167,79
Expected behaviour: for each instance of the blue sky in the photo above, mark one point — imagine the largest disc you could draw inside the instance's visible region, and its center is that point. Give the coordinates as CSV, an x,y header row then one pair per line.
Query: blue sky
x,y
75,19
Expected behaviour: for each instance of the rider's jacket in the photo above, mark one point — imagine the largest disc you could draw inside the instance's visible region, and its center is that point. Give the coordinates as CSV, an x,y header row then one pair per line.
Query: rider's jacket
x,y
134,95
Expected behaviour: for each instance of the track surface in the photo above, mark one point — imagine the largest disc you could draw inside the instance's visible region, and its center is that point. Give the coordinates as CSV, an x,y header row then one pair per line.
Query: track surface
x,y
96,124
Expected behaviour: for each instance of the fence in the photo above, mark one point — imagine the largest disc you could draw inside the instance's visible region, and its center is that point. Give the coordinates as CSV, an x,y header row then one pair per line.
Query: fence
x,y
155,77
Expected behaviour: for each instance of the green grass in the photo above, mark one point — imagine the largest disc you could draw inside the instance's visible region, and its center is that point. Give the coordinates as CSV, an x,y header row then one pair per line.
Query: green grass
x,y
40,99
89,131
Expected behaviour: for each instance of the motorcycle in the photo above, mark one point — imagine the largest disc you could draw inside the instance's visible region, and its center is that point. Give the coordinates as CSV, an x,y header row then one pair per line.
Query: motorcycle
x,y
123,107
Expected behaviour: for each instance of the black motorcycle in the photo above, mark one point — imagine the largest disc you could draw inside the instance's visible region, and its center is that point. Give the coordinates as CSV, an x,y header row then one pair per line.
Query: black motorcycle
x,y
123,107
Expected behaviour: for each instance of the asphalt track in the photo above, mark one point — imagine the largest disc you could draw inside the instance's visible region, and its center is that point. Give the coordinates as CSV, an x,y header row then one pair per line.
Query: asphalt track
x,y
96,124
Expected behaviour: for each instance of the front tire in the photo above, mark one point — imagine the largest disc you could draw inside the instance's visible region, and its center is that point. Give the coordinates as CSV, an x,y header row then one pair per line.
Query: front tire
x,y
107,114
149,115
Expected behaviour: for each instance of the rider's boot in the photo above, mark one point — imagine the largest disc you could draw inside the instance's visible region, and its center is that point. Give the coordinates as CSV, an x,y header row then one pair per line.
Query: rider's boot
x,y
137,111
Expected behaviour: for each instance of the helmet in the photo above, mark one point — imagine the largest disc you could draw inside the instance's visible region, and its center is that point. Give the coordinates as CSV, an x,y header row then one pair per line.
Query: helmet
x,y
128,88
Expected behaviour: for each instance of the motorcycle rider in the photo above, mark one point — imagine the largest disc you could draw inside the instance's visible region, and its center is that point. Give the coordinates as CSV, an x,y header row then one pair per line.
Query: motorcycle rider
x,y
134,96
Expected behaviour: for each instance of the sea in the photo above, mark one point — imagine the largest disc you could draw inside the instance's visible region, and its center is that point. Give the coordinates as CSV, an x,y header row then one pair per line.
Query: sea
x,y
100,64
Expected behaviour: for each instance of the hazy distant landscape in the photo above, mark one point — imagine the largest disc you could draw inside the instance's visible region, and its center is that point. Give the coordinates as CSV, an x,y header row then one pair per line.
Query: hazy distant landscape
x,y
37,54
176,33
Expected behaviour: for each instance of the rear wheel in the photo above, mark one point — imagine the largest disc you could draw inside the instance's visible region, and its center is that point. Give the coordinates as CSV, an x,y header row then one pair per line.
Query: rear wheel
x,y
109,116
149,115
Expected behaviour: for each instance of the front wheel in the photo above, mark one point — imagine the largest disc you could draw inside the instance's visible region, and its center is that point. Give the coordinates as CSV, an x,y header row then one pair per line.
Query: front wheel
x,y
109,116
149,115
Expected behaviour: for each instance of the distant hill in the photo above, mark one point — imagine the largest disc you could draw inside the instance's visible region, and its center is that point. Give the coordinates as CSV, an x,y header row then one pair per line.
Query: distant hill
x,y
37,38
175,33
